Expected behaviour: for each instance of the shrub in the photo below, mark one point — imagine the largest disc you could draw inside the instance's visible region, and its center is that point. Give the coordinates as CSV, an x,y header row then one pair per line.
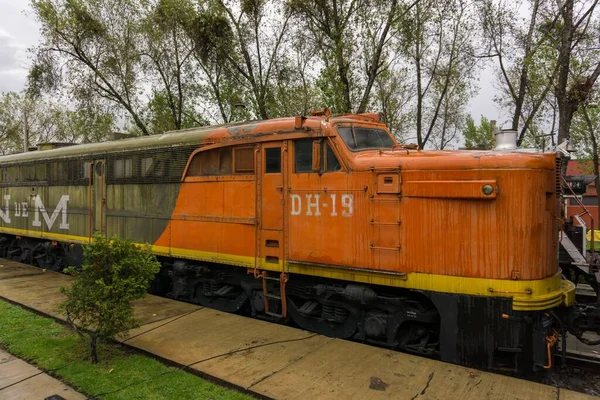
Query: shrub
x,y
99,302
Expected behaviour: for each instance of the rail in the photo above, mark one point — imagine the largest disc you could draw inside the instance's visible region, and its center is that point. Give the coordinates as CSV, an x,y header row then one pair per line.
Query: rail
x,y
585,211
580,360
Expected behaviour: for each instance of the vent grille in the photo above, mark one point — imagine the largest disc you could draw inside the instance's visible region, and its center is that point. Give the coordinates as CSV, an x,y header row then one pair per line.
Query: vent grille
x,y
158,165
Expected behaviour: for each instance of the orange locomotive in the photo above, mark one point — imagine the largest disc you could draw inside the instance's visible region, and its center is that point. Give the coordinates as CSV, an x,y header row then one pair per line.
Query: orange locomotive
x,y
324,220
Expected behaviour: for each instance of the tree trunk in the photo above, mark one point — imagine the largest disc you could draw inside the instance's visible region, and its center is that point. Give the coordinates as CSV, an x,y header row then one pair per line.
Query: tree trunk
x,y
523,80
419,117
375,66
343,74
565,110
94,349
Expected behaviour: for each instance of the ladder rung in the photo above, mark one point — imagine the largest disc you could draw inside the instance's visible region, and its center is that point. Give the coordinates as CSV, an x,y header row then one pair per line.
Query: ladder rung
x,y
272,278
273,296
273,314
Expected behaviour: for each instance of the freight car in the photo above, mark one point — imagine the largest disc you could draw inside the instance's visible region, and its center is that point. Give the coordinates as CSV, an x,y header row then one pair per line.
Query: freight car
x,y
323,220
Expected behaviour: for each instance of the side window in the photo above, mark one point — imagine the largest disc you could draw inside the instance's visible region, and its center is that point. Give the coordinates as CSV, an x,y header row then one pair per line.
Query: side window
x,y
86,170
273,160
331,160
303,153
244,160
146,166
211,163
41,172
57,172
123,168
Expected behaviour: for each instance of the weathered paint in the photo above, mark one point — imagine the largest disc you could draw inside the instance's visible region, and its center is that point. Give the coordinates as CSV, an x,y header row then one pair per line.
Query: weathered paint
x,y
397,217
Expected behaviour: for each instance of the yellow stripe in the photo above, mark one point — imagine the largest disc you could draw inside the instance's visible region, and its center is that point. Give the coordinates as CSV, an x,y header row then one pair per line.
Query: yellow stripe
x,y
45,235
533,295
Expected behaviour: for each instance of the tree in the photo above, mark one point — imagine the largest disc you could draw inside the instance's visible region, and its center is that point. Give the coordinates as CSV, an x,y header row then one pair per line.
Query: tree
x,y
526,59
250,37
42,121
478,137
10,123
93,46
437,42
333,32
168,61
394,92
98,304
586,137
577,36
210,31
353,39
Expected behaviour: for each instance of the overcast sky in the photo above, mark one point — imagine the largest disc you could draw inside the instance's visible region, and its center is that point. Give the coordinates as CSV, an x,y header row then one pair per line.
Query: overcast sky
x,y
19,31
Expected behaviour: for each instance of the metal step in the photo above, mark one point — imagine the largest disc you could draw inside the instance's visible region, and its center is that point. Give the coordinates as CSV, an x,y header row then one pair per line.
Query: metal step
x,y
273,278
273,296
272,314
574,253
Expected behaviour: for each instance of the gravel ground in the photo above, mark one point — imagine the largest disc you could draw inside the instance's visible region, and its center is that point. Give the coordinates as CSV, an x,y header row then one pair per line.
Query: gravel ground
x,y
574,379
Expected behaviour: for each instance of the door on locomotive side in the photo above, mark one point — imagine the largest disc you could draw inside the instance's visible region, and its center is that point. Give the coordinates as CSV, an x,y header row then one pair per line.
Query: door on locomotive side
x,y
98,187
322,199
271,204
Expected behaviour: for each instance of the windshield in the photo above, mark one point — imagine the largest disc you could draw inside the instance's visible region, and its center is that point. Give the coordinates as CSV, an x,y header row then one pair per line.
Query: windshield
x,y
359,138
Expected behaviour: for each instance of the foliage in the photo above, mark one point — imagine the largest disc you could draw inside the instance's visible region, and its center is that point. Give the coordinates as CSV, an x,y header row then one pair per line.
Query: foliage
x,y
10,123
45,120
439,48
478,137
160,65
352,39
93,49
115,272
547,64
168,63
583,134
120,376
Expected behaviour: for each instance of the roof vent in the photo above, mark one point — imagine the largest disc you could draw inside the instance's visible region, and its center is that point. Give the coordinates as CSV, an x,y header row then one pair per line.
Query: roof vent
x,y
52,145
506,139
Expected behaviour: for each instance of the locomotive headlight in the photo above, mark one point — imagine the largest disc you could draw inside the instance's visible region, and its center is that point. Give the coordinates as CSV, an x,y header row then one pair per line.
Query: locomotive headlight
x,y
487,189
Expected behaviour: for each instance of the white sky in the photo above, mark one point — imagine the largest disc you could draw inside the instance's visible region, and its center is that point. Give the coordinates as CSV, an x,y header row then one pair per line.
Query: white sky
x,y
19,31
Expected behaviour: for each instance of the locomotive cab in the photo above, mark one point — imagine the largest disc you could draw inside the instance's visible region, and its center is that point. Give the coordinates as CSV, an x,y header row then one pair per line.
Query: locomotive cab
x,y
452,226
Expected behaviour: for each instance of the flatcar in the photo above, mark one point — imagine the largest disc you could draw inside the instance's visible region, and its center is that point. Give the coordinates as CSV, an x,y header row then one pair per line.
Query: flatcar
x,y
322,220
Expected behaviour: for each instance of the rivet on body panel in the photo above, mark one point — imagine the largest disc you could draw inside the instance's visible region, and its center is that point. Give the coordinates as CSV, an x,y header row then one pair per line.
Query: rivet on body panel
x,y
487,189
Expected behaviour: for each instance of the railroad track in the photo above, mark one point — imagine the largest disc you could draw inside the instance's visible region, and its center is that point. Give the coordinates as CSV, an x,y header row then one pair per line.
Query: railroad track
x,y
581,360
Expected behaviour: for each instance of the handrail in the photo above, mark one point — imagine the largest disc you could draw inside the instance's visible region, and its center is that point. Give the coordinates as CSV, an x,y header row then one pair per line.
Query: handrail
x,y
585,211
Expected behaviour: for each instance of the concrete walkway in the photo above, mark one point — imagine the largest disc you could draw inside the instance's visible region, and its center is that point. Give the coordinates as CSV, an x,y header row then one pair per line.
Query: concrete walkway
x,y
20,380
278,361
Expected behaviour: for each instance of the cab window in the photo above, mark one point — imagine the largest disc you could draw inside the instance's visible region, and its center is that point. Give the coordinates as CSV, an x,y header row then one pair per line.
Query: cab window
x,y
330,161
359,138
303,152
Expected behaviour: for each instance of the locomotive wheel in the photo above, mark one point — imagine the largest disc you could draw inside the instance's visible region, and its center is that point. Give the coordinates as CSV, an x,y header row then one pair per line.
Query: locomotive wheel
x,y
417,337
225,298
337,322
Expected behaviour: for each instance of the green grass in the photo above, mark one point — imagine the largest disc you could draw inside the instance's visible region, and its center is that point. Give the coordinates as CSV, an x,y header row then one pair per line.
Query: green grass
x,y
120,374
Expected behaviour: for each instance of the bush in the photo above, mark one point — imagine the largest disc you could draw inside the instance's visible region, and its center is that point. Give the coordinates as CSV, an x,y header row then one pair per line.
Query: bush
x,y
115,272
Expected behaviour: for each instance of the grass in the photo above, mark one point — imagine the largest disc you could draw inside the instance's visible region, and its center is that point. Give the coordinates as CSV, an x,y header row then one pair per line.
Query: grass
x,y
120,374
